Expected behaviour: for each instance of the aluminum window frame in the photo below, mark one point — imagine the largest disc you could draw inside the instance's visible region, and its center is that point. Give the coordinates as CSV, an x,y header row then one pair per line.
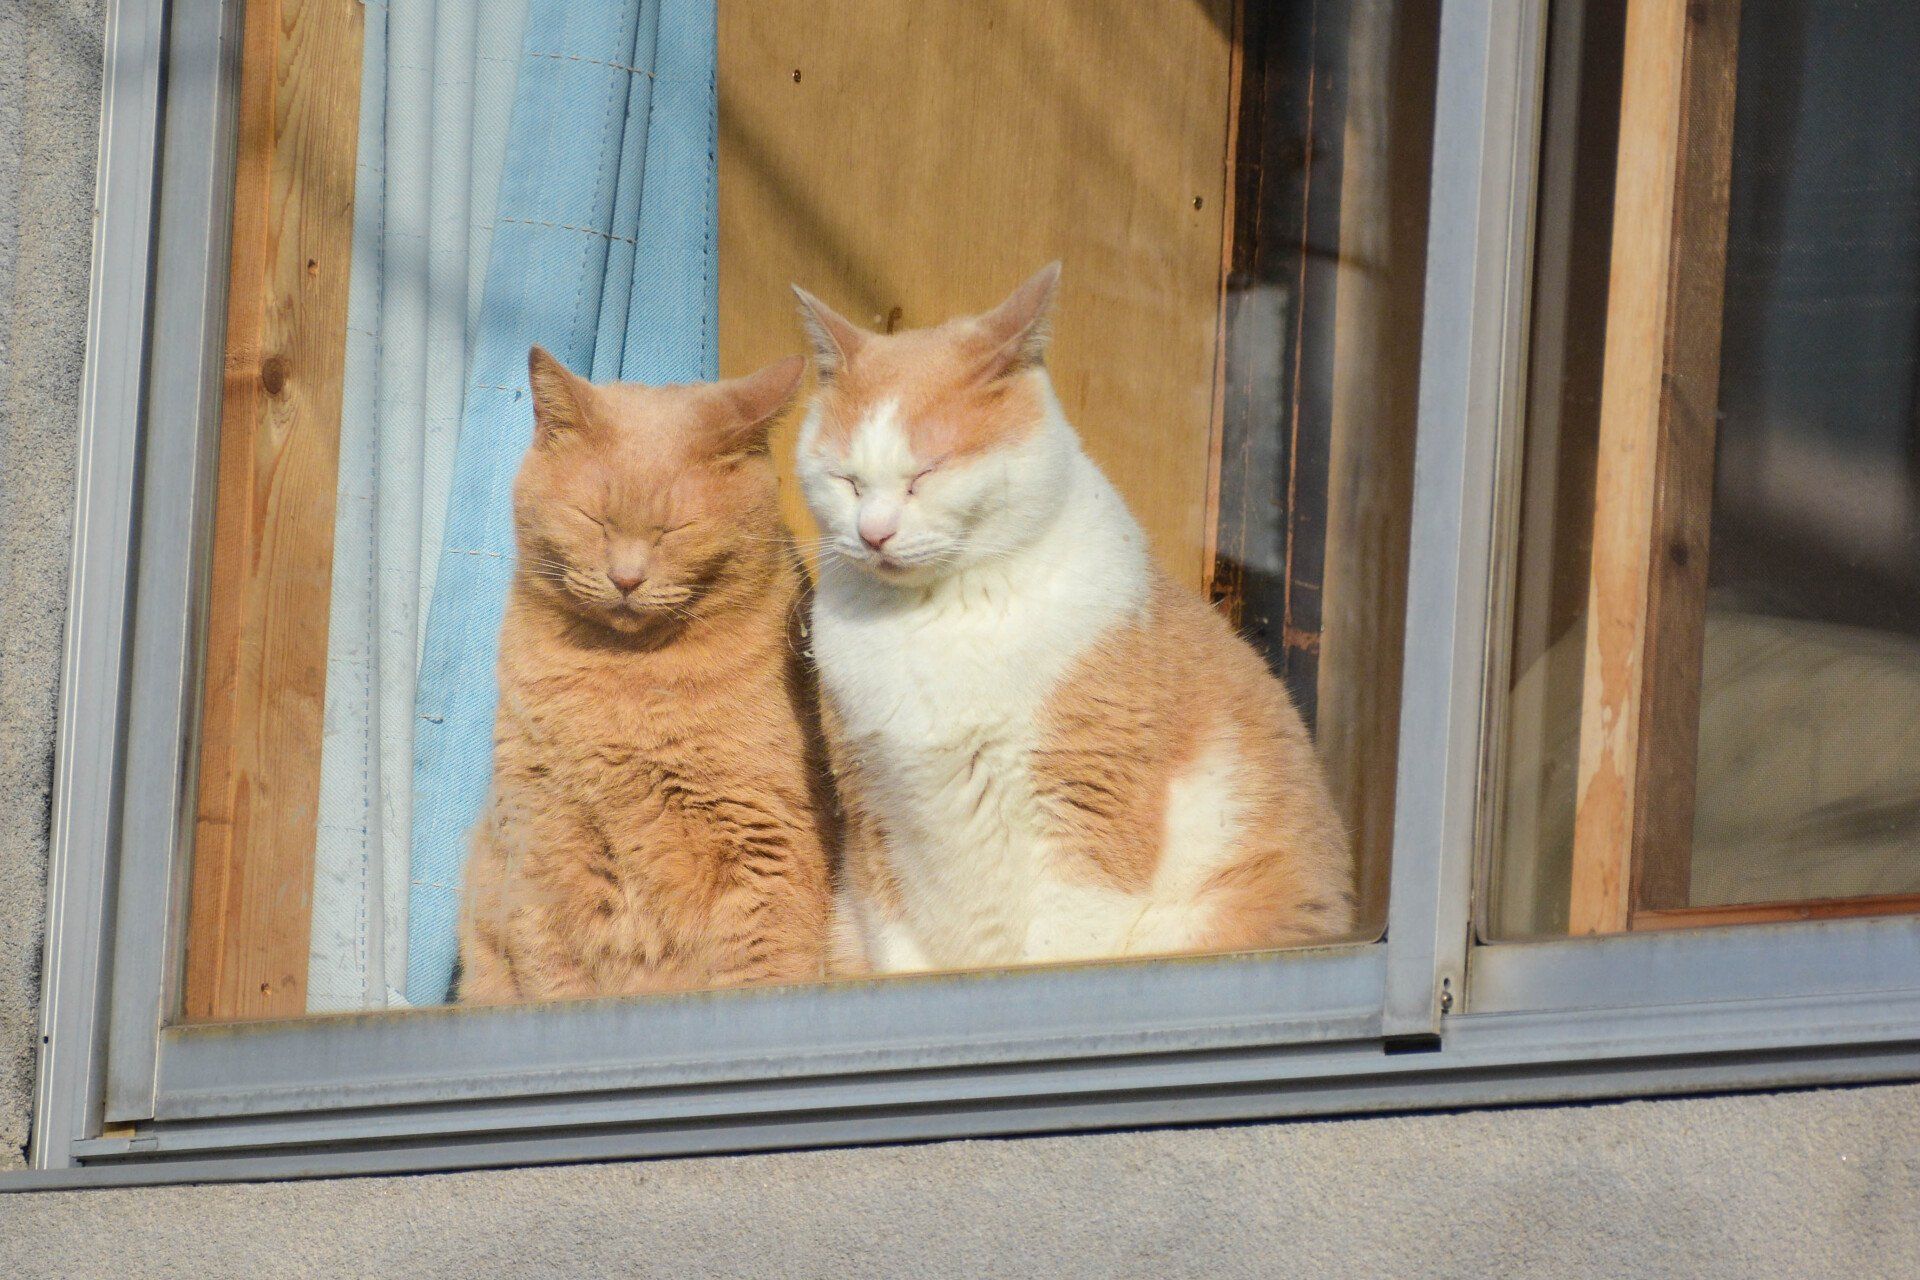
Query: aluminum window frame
x,y
1428,1018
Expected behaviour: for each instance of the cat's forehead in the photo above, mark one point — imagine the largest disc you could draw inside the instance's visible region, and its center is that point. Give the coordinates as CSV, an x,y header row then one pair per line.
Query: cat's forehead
x,y
642,444
882,442
654,431
918,396
634,411
626,477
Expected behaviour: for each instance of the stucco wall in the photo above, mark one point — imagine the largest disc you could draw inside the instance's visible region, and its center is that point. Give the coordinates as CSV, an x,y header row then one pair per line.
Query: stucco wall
x,y
49,128
1797,1185
1806,1184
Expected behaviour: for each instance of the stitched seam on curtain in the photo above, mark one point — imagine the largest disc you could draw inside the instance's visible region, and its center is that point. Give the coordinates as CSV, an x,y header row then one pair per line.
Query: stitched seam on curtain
x,y
630,176
597,62
565,226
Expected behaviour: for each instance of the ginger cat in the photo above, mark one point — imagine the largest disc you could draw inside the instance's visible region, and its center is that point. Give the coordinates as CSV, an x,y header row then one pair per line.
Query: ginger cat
x,y
1044,748
660,815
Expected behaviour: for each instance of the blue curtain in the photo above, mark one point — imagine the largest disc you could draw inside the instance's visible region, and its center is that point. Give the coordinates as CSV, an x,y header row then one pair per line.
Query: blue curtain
x,y
603,251
436,92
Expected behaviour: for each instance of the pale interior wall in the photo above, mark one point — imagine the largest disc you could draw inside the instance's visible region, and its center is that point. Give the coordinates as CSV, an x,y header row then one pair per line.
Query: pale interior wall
x,y
1797,1184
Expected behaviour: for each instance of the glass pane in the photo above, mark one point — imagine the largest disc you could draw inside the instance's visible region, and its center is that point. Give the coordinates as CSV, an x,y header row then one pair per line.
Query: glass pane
x,y
1807,782
551,679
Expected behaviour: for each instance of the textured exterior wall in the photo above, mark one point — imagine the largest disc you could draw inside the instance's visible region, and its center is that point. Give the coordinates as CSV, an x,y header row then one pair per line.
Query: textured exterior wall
x,y
1794,1185
1803,1185
49,131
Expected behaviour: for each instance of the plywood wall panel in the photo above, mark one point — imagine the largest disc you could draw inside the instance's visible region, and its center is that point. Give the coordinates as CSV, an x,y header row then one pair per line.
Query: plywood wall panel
x,y
908,162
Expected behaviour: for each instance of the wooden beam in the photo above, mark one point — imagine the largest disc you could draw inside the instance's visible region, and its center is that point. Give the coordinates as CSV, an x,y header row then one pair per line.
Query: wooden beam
x,y
1242,74
1639,719
1273,459
1893,904
265,691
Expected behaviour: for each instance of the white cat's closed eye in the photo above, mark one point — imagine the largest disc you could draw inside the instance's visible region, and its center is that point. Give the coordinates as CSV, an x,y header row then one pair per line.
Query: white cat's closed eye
x,y
923,473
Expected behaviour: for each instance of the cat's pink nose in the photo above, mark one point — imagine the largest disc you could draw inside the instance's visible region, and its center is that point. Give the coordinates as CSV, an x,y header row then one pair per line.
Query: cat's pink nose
x,y
625,579
877,527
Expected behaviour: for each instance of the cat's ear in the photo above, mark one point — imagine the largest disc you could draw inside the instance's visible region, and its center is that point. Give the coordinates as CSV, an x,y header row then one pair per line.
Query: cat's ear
x,y
835,338
751,405
1016,332
559,397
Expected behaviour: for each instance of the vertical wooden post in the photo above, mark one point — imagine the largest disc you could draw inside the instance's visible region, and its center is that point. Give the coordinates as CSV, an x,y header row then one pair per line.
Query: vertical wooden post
x,y
1234,248
1274,454
265,692
1639,719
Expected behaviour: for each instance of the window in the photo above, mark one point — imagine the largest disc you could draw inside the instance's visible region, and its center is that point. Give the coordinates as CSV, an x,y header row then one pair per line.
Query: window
x,y
1238,203
1343,322
1732,740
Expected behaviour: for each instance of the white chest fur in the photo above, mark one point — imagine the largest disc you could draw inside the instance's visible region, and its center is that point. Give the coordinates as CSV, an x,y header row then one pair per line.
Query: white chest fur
x,y
939,692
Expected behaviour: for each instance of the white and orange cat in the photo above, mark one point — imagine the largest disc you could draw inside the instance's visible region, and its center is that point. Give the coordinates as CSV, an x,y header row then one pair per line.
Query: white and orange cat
x,y
1045,749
